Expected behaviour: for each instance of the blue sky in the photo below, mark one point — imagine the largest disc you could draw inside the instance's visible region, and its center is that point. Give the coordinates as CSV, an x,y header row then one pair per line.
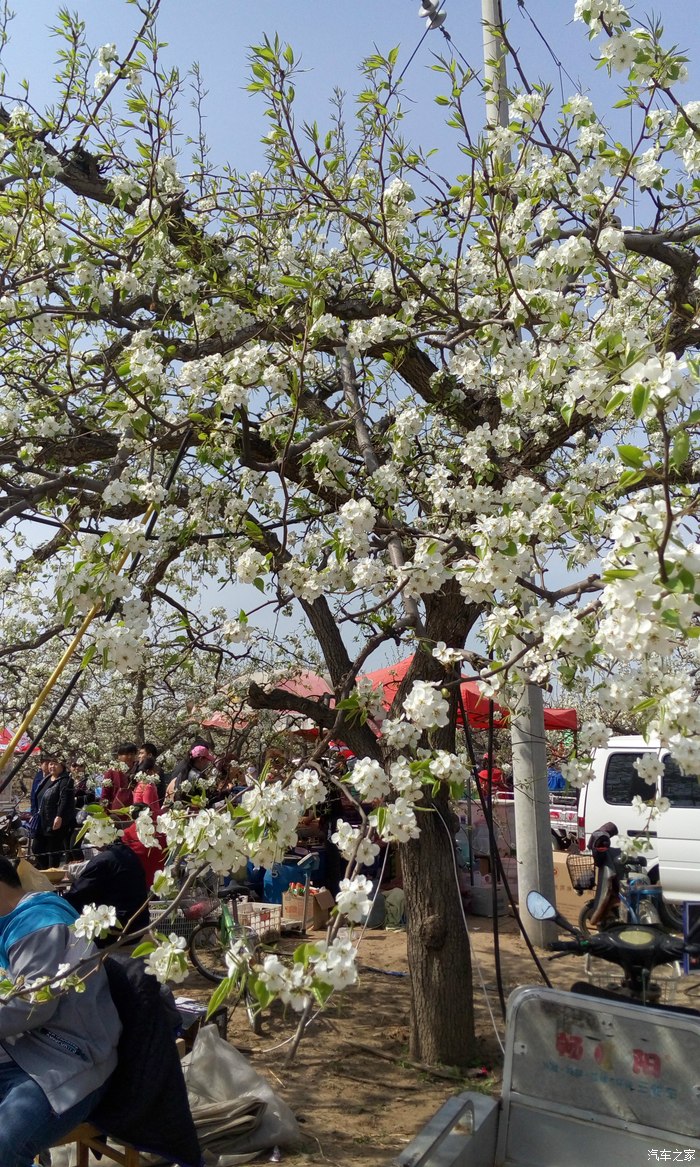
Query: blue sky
x,y
332,37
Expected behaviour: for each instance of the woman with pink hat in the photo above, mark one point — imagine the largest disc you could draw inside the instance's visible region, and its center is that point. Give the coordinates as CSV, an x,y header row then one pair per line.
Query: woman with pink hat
x,y
189,779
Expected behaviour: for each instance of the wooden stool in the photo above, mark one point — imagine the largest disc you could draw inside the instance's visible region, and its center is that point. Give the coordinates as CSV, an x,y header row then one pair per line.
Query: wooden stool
x,y
90,1138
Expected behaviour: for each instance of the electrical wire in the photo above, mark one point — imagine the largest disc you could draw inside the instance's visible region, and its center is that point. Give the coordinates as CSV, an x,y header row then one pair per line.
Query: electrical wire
x,y
489,826
493,862
475,958
559,64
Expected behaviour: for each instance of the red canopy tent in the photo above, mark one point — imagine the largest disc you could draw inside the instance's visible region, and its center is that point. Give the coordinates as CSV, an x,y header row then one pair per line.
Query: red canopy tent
x,y
306,684
475,704
23,744
303,684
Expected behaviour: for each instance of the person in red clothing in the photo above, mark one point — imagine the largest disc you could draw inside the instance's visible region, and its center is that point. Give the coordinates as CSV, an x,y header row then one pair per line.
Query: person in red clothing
x,y
494,779
146,790
118,783
152,859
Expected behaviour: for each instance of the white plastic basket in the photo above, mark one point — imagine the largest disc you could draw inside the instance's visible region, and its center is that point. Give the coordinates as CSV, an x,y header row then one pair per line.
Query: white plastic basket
x,y
265,920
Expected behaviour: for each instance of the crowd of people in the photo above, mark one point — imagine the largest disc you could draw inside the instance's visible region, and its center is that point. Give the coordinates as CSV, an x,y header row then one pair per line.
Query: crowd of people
x,y
122,873
61,790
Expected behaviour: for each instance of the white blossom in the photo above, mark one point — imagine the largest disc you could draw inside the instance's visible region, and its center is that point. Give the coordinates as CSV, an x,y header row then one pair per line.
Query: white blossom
x,y
95,921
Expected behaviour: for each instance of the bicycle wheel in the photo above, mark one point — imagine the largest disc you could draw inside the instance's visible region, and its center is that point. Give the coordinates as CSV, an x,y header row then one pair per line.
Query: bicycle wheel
x,y
207,951
584,923
589,929
671,915
647,912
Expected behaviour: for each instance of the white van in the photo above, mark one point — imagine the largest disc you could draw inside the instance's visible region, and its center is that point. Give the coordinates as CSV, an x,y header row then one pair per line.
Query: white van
x,y
674,836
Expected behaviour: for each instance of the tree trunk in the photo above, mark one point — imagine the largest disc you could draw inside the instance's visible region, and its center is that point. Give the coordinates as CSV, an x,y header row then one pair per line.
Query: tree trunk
x,y
442,1018
139,718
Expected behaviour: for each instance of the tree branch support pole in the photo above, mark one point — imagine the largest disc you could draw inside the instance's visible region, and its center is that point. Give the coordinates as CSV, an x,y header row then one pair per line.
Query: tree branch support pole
x,y
532,826
70,651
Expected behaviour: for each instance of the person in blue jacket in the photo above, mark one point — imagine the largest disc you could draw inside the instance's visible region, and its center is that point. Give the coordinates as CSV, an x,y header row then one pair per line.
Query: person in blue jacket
x,y
56,1055
555,779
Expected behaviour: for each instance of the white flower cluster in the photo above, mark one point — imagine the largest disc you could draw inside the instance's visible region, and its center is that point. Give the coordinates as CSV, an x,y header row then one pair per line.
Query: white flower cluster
x,y
400,734
168,960
667,378
292,984
449,768
425,706
125,186
250,565
594,12
369,779
356,520
354,898
275,811
95,921
447,656
651,807
335,963
406,779
650,767
100,831
398,822
369,697
236,631
146,829
370,574
308,787
427,571
351,842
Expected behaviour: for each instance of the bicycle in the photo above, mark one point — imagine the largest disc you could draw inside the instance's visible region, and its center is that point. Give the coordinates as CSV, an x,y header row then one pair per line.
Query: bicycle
x,y
623,890
220,948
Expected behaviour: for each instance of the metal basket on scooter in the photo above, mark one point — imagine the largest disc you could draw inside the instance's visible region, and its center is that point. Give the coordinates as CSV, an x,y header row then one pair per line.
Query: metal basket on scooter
x,y
581,871
604,975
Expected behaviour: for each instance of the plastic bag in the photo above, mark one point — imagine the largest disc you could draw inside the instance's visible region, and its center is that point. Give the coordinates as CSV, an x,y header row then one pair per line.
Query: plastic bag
x,y
216,1072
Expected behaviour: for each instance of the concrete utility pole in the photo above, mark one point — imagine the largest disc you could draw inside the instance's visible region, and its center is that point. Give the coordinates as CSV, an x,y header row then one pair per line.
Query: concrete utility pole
x,y
532,827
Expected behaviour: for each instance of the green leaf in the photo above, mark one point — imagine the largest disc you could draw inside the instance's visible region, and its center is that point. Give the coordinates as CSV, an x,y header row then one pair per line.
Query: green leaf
x,y
632,456
680,449
615,401
687,579
321,991
221,993
630,478
620,573
88,655
640,399
144,948
303,953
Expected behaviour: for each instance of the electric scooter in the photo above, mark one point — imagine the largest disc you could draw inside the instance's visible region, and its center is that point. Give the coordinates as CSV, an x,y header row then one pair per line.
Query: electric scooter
x,y
590,1076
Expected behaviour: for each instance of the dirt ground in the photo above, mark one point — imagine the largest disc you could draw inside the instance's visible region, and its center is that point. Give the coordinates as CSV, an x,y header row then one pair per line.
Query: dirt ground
x,y
357,1109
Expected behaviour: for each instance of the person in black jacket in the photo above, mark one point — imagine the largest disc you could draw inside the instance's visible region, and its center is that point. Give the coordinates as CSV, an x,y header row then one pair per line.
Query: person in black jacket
x,y
114,877
56,803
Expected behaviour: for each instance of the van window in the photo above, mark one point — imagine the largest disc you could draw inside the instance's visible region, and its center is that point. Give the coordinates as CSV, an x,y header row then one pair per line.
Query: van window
x,y
679,788
622,782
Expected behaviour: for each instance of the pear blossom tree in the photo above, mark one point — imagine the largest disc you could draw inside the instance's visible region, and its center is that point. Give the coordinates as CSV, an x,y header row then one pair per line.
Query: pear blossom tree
x,y
405,406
